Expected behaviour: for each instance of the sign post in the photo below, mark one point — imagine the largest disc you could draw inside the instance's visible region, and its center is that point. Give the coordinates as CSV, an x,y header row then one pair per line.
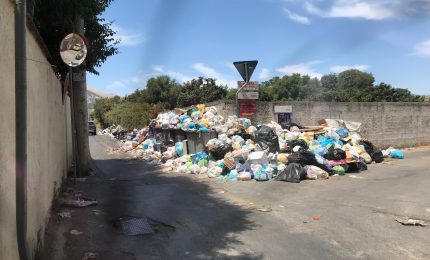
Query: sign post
x,y
73,51
245,69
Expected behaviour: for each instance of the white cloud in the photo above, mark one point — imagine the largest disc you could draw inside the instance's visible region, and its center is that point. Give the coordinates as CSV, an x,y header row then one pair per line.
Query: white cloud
x,y
209,72
158,68
341,68
264,74
296,17
302,68
127,37
364,9
422,49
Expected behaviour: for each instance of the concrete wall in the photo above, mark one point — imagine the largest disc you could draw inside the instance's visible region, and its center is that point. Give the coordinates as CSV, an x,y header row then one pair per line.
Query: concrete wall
x,y
385,124
48,137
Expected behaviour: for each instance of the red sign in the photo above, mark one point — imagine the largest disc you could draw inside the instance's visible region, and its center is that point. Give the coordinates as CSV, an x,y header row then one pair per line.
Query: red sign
x,y
247,107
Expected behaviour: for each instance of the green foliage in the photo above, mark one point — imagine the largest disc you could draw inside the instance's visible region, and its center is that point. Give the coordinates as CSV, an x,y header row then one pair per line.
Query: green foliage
x,y
56,18
200,90
102,107
351,79
131,114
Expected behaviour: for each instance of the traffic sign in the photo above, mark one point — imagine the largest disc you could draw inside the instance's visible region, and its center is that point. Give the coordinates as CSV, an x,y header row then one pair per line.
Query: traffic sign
x,y
246,68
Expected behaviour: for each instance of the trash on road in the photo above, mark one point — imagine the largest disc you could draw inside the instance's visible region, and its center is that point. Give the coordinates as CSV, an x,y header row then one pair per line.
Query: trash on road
x,y
90,255
412,222
77,203
264,209
236,150
75,232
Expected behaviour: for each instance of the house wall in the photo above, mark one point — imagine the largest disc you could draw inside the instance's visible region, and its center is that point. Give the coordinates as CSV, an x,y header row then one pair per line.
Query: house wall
x,y
48,138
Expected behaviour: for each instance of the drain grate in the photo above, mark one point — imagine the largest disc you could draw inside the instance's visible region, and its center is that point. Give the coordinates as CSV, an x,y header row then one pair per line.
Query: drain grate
x,y
136,226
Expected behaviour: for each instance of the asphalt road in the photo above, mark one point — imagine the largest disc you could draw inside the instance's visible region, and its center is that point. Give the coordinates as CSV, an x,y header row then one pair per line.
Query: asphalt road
x,y
345,217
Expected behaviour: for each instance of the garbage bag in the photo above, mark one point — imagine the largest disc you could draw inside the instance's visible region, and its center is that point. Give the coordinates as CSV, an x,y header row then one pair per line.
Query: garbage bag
x,y
314,172
377,156
335,154
289,125
304,157
179,149
219,152
266,138
397,154
339,169
342,132
293,143
264,173
293,173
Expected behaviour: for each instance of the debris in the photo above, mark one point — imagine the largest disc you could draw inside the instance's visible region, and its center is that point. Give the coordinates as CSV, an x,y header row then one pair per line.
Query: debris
x,y
78,203
264,209
316,218
412,222
90,255
64,214
76,232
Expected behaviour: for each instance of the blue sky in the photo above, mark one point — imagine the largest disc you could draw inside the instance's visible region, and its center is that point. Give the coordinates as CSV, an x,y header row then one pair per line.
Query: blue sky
x,y
189,38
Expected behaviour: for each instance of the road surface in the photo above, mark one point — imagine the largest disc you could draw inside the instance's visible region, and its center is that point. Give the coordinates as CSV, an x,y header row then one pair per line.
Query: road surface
x,y
345,217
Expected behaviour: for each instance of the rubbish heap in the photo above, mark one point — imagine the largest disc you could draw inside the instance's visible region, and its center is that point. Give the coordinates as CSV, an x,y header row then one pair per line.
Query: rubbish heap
x,y
243,151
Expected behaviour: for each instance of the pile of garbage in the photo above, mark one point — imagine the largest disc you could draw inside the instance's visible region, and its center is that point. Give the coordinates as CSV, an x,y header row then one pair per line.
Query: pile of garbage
x,y
245,152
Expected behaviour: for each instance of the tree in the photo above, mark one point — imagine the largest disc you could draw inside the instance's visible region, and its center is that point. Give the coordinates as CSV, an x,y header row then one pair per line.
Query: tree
x,y
55,19
200,90
353,78
329,81
102,107
161,90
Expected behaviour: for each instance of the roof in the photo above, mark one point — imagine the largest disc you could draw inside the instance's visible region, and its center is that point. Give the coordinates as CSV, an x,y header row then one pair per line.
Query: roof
x,y
99,93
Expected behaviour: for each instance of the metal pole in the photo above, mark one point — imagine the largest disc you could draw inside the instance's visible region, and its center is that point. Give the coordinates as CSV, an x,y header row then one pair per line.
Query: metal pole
x,y
21,127
240,89
72,117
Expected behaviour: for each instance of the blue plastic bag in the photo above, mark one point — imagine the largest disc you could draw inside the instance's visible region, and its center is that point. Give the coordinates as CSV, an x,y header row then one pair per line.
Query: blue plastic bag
x,y
342,132
397,154
199,156
179,149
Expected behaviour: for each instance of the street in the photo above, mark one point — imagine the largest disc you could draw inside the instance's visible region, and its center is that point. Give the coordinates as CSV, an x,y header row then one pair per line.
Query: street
x,y
344,217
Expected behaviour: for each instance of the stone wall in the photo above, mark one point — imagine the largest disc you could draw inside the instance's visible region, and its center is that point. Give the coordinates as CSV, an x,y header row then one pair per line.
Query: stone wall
x,y
385,124
48,140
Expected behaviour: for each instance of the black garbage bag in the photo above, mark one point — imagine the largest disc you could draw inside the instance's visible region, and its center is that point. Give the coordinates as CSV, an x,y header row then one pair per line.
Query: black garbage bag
x,y
242,133
293,143
335,154
294,172
266,138
377,156
374,153
289,125
305,157
219,152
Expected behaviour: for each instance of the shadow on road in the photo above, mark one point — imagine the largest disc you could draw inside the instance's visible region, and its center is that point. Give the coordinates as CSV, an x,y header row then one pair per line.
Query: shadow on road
x,y
194,222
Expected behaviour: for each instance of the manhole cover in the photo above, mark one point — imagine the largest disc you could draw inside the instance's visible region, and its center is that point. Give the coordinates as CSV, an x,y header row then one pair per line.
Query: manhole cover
x,y
133,226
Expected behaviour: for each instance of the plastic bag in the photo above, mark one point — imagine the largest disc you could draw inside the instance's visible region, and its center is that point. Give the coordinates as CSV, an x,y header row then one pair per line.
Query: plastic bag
x,y
245,176
264,173
342,132
179,148
266,138
219,152
397,154
335,154
313,173
293,173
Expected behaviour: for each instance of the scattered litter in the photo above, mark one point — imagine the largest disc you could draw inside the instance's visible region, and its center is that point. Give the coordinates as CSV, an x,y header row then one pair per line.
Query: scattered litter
x,y
428,210
76,232
90,255
264,209
64,214
316,218
411,222
78,203
221,192
97,212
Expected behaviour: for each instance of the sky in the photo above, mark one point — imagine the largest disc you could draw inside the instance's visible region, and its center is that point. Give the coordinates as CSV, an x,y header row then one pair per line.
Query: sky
x,y
186,39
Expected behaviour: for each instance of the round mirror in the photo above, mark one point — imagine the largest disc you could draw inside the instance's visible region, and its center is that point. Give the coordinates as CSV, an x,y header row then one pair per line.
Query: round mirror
x,y
73,50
